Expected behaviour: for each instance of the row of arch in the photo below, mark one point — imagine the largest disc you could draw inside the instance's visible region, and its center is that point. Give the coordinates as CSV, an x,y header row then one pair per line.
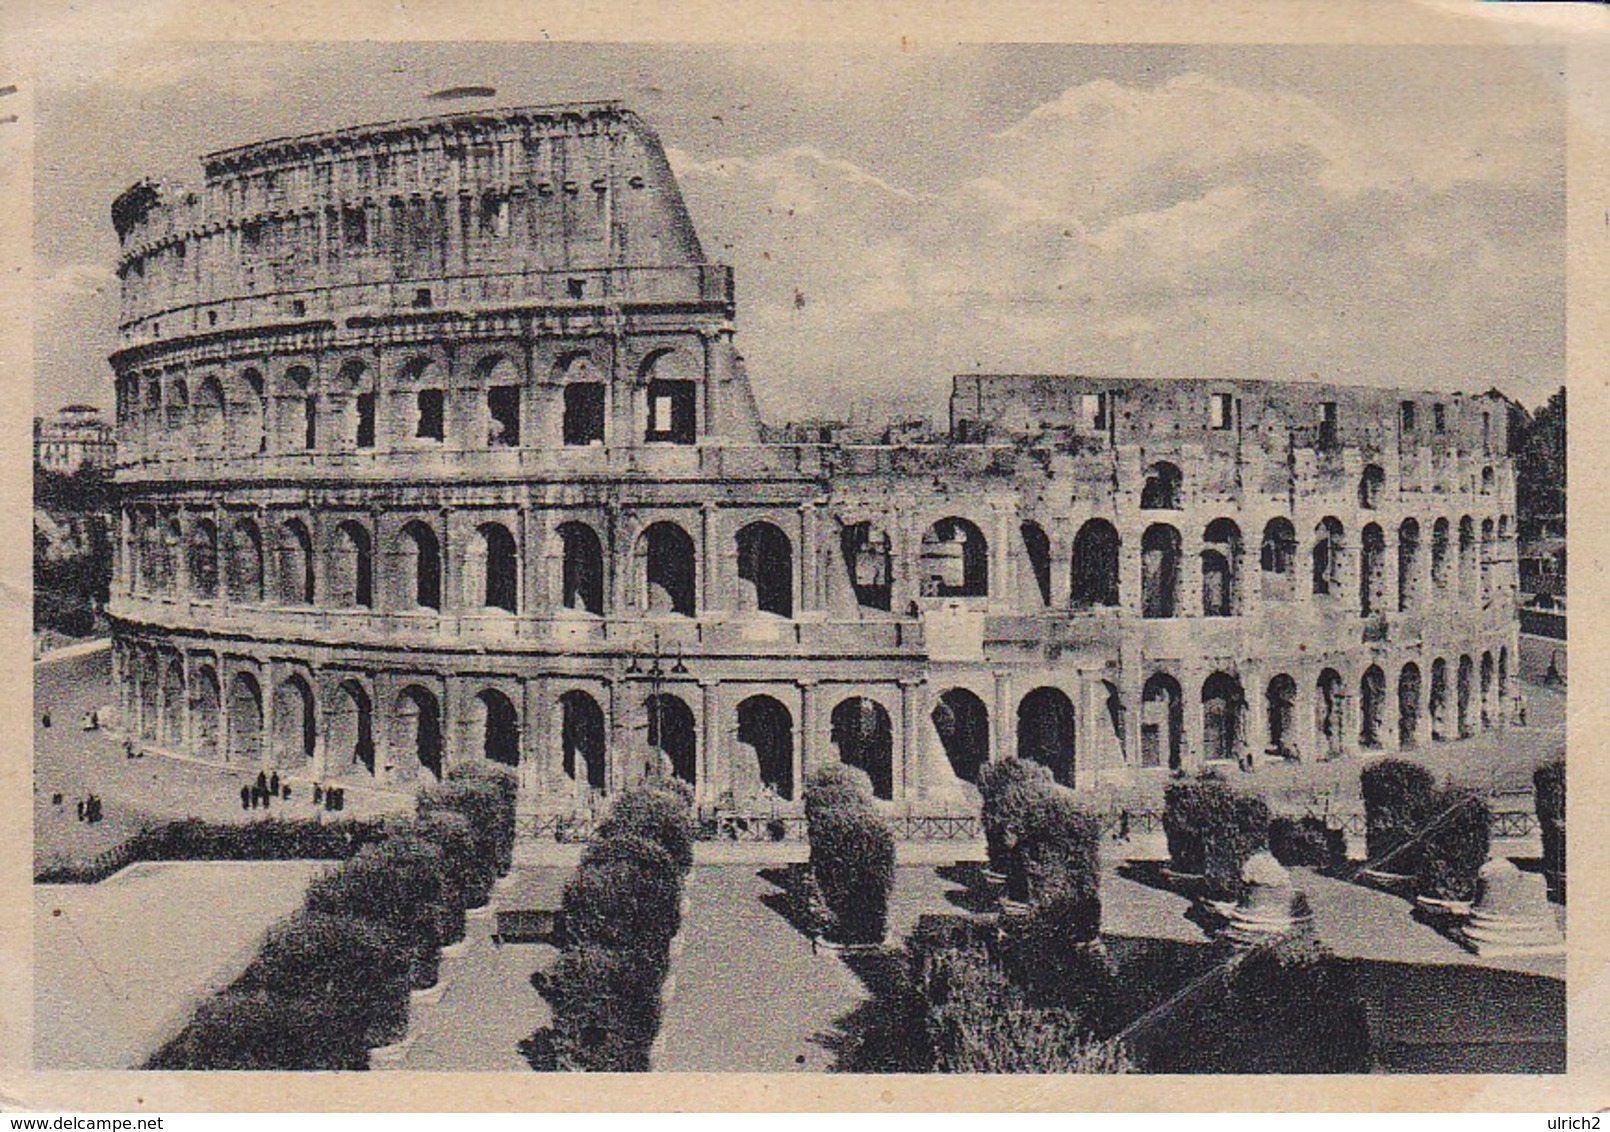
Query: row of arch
x,y
1163,486
207,562
355,407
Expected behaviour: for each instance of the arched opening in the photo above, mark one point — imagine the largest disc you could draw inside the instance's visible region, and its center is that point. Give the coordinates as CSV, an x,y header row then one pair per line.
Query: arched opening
x,y
421,561
1037,553
864,738
669,570
962,722
149,683
178,407
250,411
1487,480
352,567
295,552
244,576
1160,571
1161,722
298,405
1223,710
584,401
1328,551
671,733
1486,563
1466,679
416,742
1439,555
209,413
1047,732
500,568
582,738
1370,486
766,567
1161,490
955,560
1095,565
1408,565
1330,714
669,376
1372,571
503,389
202,561
500,728
1280,709
1437,704
1221,569
1409,706
245,721
766,727
349,731
1371,702
582,583
1278,559
204,703
173,704
295,731
868,560
1467,557
1487,701
424,401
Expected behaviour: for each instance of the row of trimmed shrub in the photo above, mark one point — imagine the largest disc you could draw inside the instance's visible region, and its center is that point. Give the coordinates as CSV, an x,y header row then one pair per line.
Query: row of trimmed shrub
x,y
192,839
332,981
852,854
620,912
1045,845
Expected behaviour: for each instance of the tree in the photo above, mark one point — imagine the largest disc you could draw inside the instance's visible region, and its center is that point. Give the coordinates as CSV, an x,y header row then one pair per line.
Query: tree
x,y
1540,470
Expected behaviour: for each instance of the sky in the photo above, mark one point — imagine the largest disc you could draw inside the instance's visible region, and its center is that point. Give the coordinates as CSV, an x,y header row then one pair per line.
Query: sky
x,y
1380,216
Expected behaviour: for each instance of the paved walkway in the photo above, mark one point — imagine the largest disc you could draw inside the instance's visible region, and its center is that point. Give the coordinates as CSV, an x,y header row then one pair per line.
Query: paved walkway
x,y
489,1005
120,966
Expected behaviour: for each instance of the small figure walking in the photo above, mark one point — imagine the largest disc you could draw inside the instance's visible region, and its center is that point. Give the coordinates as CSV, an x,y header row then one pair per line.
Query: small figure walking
x,y
245,797
81,809
318,793
262,781
1123,825
274,783
128,748
45,719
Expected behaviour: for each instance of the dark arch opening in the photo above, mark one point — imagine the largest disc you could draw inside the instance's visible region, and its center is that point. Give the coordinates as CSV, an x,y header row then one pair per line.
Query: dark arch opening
x,y
1222,718
582,738
1162,721
865,739
1372,703
1280,706
668,569
1162,488
500,568
500,728
419,733
1160,571
424,562
955,560
583,568
1047,732
962,722
766,564
1095,565
671,732
1037,549
1409,706
767,728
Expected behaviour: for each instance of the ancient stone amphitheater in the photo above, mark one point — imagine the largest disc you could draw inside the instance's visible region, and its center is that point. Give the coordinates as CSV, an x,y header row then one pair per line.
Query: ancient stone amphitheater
x,y
434,446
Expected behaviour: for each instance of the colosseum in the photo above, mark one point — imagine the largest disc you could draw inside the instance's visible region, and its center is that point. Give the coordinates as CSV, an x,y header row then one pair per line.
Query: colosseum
x,y
435,446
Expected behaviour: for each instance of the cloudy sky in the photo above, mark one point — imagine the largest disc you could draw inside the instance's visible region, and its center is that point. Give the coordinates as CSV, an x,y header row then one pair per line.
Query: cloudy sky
x,y
1381,216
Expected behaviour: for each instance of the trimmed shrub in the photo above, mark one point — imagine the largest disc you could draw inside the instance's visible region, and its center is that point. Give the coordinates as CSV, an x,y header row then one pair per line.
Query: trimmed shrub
x,y
606,1010
852,859
978,1021
1397,800
191,839
626,894
358,967
1212,830
1548,786
1455,846
397,883
656,815
505,788
995,783
466,879
1307,841
836,787
260,1029
479,804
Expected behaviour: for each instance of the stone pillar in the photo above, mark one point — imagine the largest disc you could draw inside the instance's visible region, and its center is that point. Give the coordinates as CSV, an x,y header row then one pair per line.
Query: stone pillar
x,y
266,736
1388,735
620,736
805,749
1086,761
909,777
712,758
1005,714
806,589
709,564
1254,713
1191,678
539,746
1061,564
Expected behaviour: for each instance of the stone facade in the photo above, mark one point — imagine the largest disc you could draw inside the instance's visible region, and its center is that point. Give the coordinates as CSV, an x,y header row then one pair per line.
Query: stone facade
x,y
435,446
76,437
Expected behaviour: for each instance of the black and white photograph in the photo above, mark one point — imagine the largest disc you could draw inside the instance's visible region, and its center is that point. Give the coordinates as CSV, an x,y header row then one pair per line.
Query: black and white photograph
x,y
800,558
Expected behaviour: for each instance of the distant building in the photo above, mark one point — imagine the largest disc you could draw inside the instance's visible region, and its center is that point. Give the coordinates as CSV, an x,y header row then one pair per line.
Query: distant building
x,y
75,437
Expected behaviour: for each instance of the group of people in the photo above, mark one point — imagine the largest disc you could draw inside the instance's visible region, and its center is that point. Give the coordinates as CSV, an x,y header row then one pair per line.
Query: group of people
x,y
261,793
89,809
